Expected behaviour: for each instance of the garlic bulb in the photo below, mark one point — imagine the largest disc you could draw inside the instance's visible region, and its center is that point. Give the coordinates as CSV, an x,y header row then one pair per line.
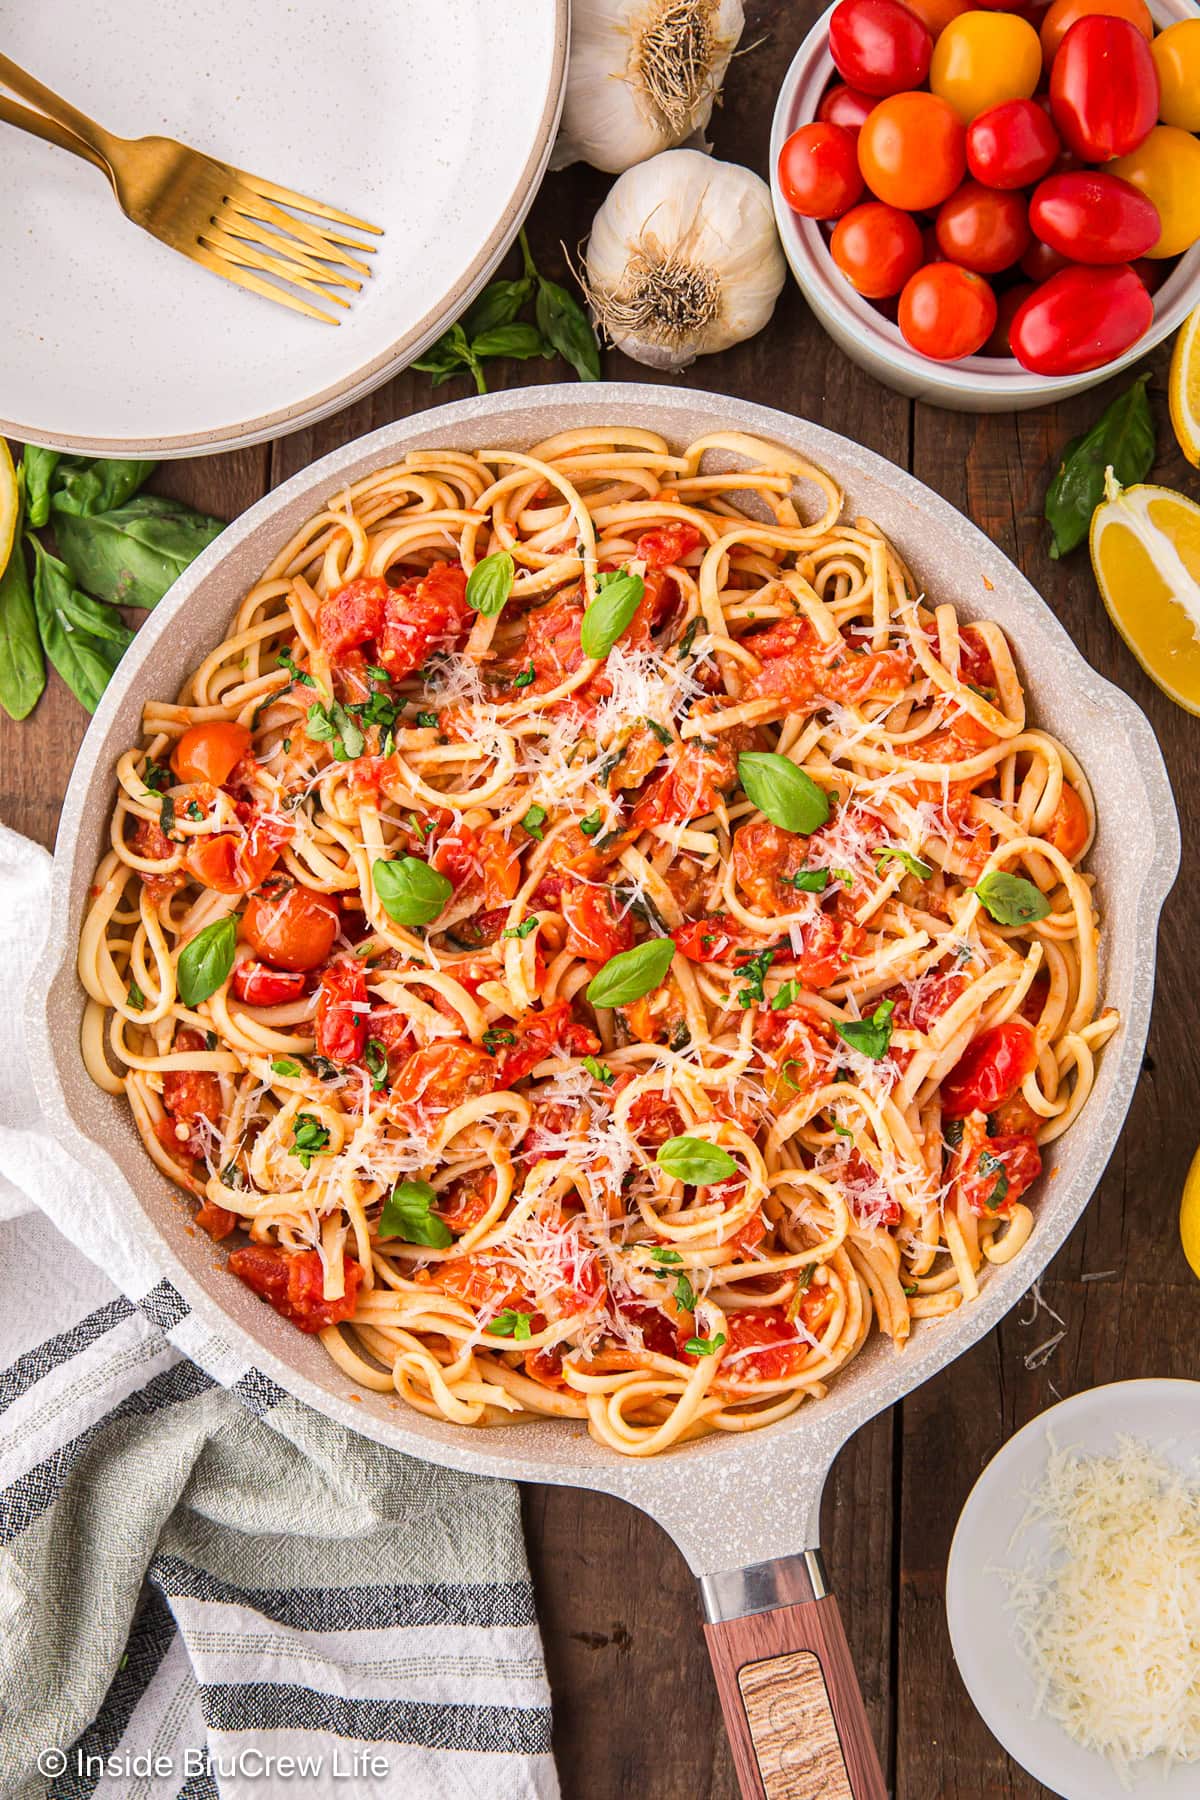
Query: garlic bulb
x,y
642,76
683,259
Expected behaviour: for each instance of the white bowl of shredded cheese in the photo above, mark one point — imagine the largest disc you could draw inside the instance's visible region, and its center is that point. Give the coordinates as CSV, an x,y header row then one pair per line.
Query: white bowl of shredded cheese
x,y
1073,1593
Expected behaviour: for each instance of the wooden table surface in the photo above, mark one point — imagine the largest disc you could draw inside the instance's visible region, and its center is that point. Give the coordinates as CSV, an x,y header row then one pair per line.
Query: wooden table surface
x,y
635,1708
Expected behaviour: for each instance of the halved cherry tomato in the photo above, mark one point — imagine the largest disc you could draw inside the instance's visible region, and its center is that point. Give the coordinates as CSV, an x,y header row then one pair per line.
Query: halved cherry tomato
x,y
877,248
1012,145
1008,304
425,614
352,616
982,228
818,171
1063,14
537,1036
210,752
292,929
911,150
1069,828
1103,88
231,863
712,939
1094,217
1176,53
1166,167
983,58
767,1345
1080,319
668,544
990,1070
342,1003
879,46
259,985
947,312
443,1075
293,1282
842,105
995,1171
596,926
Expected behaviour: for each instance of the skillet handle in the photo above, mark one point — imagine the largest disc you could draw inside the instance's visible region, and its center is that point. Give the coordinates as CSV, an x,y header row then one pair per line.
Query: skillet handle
x,y
793,1707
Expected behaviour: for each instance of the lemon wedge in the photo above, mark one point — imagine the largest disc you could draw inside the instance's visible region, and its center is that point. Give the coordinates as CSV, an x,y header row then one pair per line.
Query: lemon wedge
x,y
10,505
1145,545
1189,1215
1185,388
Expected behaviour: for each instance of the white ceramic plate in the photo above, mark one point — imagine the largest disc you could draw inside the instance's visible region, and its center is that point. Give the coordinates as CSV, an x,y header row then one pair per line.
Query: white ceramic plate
x,y
1164,1414
433,121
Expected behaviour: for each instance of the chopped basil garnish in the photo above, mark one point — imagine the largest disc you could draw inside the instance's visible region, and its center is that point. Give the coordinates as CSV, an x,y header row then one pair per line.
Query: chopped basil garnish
x,y
952,1131
688,638
784,997
288,661
661,1255
533,821
333,725
166,814
914,865
525,678
698,1346
870,1037
592,824
309,1138
684,1294
523,929
510,1323
407,1214
807,881
599,1071
135,997
375,1062
989,1164
754,968
283,1065
494,1040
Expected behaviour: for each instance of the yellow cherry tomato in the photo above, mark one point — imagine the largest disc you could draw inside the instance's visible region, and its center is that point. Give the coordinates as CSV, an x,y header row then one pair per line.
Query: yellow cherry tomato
x,y
1176,53
982,58
1166,166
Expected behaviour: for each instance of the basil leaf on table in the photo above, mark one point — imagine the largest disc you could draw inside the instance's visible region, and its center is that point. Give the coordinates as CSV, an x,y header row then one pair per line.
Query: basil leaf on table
x,y
499,304
631,973
450,355
205,960
84,486
410,892
1123,438
517,339
695,1161
782,791
564,324
38,466
84,660
618,596
22,665
407,1214
132,555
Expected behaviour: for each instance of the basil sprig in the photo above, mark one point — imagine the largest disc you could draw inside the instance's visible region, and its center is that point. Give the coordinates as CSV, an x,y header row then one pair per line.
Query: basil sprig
x,y
309,1138
334,726
783,792
407,1214
871,1037
205,960
82,639
410,891
631,973
695,1161
22,665
490,583
132,555
618,595
1123,439
1010,899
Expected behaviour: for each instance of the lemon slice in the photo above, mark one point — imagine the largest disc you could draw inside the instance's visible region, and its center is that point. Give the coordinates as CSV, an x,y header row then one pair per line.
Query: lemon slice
x,y
1145,545
1185,388
10,505
1189,1215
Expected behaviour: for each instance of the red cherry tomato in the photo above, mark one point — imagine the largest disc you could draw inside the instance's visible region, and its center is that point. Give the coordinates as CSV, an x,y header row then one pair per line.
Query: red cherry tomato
x,y
877,248
842,105
990,1069
1080,319
211,751
342,1007
259,985
294,929
1012,145
1040,262
1103,88
946,312
1094,218
879,46
911,151
818,171
982,228
1008,305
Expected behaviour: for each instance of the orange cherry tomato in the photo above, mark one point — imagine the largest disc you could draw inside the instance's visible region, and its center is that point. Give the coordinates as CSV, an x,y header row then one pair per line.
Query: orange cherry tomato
x,y
294,929
1166,167
912,151
935,15
983,58
1063,14
1176,53
209,752
947,312
877,248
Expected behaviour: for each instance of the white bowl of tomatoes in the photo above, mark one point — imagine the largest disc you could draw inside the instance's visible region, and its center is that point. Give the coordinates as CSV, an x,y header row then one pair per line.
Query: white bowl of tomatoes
x,y
992,209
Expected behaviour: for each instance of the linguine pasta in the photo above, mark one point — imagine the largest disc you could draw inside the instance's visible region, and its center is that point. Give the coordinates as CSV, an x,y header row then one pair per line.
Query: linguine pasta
x,y
610,987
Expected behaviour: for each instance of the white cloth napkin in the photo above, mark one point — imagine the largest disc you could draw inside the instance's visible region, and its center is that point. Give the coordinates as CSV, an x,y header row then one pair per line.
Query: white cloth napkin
x,y
206,1589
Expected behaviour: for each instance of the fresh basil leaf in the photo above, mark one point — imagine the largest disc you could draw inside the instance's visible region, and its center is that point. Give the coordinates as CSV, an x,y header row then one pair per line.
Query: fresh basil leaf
x,y
205,960
499,304
564,324
450,355
870,1037
86,663
283,1065
784,996
914,864
135,997
599,1071
784,793
517,339
618,596
807,881
1122,437
1010,899
533,820
38,466
375,1062
511,1323
695,1161
131,555
698,1346
410,892
407,1214
525,678
753,969
684,1294
490,583
592,824
662,1255
334,726
523,929
631,973
79,612
309,1138
85,485
22,664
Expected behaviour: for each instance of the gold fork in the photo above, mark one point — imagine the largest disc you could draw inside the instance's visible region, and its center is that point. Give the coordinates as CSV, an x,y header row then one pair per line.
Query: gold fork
x,y
228,221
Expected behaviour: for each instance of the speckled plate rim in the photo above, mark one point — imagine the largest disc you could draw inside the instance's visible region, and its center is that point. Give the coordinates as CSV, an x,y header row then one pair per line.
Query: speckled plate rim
x,y
389,362
771,1480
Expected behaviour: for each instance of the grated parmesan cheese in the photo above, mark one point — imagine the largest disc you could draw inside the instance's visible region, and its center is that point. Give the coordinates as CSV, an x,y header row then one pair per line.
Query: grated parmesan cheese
x,y
1111,1626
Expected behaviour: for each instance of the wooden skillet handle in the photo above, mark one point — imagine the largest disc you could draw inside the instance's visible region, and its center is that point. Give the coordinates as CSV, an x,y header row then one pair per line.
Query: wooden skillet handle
x,y
793,1707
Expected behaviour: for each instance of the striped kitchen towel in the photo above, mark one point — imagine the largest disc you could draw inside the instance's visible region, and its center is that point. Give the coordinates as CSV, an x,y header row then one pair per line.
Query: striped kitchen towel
x,y
206,1589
